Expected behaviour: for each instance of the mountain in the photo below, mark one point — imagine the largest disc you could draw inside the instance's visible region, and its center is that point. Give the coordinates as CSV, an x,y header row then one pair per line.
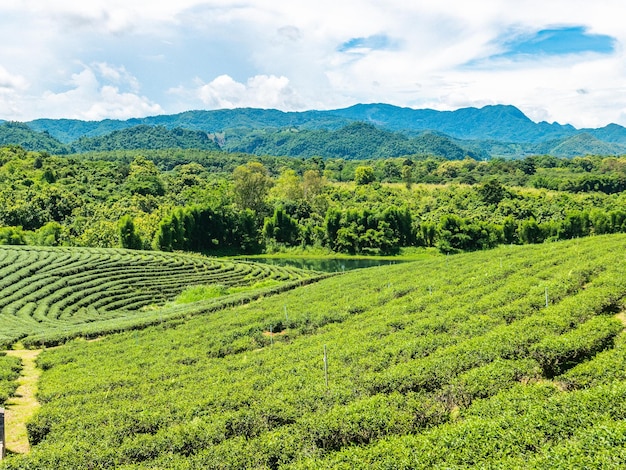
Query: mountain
x,y
69,130
580,144
613,133
500,122
503,123
355,141
146,137
499,130
16,133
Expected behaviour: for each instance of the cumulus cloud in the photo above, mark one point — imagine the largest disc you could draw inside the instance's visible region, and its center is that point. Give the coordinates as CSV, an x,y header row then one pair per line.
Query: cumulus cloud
x,y
96,92
308,55
10,82
260,91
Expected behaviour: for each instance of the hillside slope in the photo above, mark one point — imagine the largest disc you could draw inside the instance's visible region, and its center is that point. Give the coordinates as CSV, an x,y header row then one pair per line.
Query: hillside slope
x,y
51,294
503,123
511,358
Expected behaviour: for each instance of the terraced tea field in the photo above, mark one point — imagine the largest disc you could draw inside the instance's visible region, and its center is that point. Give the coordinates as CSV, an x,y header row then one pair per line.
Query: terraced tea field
x,y
512,358
48,295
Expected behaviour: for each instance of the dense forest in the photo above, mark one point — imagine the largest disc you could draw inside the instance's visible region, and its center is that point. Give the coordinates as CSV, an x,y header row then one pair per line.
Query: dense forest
x,y
358,132
219,203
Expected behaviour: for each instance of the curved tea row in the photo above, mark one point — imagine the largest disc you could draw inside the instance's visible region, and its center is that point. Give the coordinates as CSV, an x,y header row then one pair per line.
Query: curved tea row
x,y
48,288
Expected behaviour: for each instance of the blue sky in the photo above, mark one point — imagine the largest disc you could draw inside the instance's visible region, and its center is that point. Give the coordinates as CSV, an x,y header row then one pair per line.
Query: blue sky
x,y
557,61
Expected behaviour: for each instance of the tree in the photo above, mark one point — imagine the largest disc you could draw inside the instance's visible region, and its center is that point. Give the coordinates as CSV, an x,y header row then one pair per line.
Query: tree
x,y
12,236
312,184
288,186
407,175
281,228
492,191
128,237
251,184
530,232
364,175
144,178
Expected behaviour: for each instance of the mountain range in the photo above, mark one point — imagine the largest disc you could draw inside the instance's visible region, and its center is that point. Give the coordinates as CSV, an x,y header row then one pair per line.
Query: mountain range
x,y
360,131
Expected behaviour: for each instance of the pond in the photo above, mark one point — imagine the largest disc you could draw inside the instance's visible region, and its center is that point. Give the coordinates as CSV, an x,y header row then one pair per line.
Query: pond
x,y
330,265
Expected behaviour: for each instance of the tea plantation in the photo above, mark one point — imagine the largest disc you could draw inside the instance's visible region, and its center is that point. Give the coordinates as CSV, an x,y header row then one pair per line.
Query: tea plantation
x,y
509,358
48,295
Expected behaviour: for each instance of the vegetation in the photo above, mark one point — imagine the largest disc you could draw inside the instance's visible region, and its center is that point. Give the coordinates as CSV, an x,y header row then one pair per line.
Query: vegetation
x,y
490,132
509,358
147,137
49,295
220,204
9,371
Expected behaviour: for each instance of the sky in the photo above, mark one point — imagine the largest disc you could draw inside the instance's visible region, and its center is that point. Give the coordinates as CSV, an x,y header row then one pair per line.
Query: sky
x,y
556,60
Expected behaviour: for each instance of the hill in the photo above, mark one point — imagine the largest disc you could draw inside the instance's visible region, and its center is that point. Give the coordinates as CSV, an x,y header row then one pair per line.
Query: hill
x,y
356,141
48,295
146,138
15,133
581,144
504,359
496,131
499,122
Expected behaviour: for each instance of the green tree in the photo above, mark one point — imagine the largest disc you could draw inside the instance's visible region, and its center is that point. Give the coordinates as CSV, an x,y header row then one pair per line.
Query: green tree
x,y
12,236
492,191
128,236
364,175
251,184
281,228
407,175
49,235
144,178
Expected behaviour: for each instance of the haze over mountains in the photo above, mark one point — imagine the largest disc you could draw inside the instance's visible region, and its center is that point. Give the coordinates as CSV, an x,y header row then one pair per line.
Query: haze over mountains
x,y
357,132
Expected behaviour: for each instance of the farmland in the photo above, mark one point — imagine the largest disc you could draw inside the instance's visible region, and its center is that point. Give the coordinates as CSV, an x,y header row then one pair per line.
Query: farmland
x,y
507,358
48,295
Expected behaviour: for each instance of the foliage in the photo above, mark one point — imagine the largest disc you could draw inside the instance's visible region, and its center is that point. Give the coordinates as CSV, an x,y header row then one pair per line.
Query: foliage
x,y
364,175
10,368
128,236
446,362
146,137
80,201
49,295
281,228
251,184
16,133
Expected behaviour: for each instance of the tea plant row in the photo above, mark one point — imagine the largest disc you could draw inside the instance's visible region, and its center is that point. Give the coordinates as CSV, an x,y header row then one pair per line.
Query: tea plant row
x,y
486,359
43,290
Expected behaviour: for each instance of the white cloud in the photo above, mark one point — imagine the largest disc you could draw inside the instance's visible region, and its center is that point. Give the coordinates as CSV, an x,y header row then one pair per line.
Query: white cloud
x,y
287,46
10,82
90,96
260,91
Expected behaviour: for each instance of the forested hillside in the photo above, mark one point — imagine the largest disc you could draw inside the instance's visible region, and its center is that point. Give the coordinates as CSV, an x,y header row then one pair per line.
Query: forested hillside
x,y
146,138
492,131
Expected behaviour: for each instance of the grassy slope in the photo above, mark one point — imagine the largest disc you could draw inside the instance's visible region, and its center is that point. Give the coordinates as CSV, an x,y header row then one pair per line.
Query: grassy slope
x,y
48,295
440,363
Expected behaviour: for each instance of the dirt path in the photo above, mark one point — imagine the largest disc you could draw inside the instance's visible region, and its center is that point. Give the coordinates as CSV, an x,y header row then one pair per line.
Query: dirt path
x,y
21,407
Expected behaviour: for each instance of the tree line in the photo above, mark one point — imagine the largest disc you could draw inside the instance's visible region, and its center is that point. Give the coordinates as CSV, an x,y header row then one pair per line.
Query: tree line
x,y
208,202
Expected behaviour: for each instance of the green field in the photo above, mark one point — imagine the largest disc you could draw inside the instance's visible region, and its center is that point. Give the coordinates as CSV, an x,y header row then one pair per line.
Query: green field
x,y
48,295
508,358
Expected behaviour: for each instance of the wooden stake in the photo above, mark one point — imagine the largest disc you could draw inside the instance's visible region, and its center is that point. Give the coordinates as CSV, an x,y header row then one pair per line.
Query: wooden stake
x,y
2,445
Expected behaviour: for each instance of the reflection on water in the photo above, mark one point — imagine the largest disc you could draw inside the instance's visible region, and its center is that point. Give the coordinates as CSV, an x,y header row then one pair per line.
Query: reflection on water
x,y
331,265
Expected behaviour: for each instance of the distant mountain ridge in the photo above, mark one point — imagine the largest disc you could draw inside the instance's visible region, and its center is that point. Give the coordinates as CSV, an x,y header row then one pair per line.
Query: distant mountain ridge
x,y
498,130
